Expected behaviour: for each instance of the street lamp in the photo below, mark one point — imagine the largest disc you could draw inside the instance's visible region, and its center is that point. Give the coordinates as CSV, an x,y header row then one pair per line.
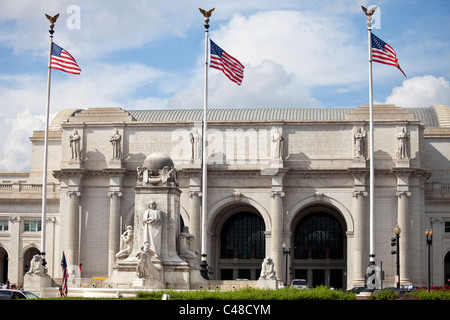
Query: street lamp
x,y
286,253
429,235
395,241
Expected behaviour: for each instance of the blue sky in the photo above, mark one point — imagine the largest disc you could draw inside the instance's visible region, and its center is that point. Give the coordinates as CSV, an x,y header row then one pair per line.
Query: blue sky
x,y
139,54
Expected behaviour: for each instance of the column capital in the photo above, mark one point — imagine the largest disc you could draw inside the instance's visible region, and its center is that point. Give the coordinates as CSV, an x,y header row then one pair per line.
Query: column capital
x,y
195,193
358,193
74,193
400,193
274,193
115,193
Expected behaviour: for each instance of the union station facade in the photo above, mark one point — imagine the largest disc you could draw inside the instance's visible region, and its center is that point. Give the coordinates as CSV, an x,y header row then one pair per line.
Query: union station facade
x,y
289,184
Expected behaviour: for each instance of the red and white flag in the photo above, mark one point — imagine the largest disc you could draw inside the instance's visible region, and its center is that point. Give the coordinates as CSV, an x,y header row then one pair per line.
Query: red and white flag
x,y
63,60
230,66
384,53
65,276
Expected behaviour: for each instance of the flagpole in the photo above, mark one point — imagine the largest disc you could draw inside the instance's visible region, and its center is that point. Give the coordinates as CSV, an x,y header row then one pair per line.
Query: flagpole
x,y
204,263
47,116
371,143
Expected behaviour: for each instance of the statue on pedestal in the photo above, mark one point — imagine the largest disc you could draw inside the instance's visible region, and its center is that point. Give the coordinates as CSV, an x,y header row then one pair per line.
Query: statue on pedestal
x,y
402,152
37,266
126,244
115,141
152,228
360,142
188,252
74,139
277,144
145,268
196,144
267,269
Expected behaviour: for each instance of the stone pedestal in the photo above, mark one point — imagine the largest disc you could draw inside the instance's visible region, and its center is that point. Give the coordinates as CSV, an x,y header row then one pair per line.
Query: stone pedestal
x,y
35,283
148,283
156,232
267,283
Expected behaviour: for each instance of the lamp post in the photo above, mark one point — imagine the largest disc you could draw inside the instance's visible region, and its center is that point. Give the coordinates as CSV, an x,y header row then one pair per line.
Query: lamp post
x,y
286,253
396,242
429,236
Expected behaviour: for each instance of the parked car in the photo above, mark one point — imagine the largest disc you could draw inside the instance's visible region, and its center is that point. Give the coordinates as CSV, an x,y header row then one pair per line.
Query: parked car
x,y
299,284
10,294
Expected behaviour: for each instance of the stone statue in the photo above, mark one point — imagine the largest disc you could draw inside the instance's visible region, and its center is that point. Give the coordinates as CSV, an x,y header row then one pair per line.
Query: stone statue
x,y
186,243
360,142
401,140
126,244
166,177
115,141
267,269
140,174
152,229
277,144
37,266
196,142
145,268
75,144
157,170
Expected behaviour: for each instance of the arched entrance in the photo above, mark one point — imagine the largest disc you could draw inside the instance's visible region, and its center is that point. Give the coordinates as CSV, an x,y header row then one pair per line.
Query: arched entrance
x,y
240,245
447,269
319,244
3,265
27,257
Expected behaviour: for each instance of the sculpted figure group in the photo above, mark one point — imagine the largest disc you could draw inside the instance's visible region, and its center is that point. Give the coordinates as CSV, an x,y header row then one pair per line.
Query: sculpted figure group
x,y
149,256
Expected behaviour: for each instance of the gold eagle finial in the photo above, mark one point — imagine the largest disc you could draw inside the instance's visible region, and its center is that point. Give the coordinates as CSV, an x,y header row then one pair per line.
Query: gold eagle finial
x,y
52,20
368,12
206,14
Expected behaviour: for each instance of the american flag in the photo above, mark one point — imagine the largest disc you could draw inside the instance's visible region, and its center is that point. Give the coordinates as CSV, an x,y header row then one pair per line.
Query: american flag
x,y
65,276
384,53
63,60
230,66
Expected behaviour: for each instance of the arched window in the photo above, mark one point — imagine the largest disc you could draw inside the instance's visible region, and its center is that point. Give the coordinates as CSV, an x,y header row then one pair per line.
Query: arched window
x,y
319,235
242,237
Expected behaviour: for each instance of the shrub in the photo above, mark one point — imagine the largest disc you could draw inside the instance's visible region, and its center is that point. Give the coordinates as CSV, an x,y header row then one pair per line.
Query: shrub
x,y
384,295
319,293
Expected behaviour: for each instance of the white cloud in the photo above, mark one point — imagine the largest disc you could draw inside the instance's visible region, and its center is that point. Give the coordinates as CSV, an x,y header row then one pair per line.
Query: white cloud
x,y
318,49
286,53
421,92
15,148
24,101
264,85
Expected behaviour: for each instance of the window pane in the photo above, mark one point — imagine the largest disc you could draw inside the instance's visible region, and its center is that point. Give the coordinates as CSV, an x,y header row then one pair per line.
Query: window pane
x,y
32,226
3,225
243,237
447,226
319,236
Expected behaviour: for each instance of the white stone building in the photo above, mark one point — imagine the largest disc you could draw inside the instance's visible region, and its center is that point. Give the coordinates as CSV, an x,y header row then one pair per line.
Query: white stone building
x,y
298,177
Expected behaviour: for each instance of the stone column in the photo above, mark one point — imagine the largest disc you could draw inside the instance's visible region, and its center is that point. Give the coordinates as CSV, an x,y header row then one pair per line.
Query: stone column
x,y
277,233
115,194
73,227
195,195
70,179
277,219
360,230
359,257
404,222
114,227
195,217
